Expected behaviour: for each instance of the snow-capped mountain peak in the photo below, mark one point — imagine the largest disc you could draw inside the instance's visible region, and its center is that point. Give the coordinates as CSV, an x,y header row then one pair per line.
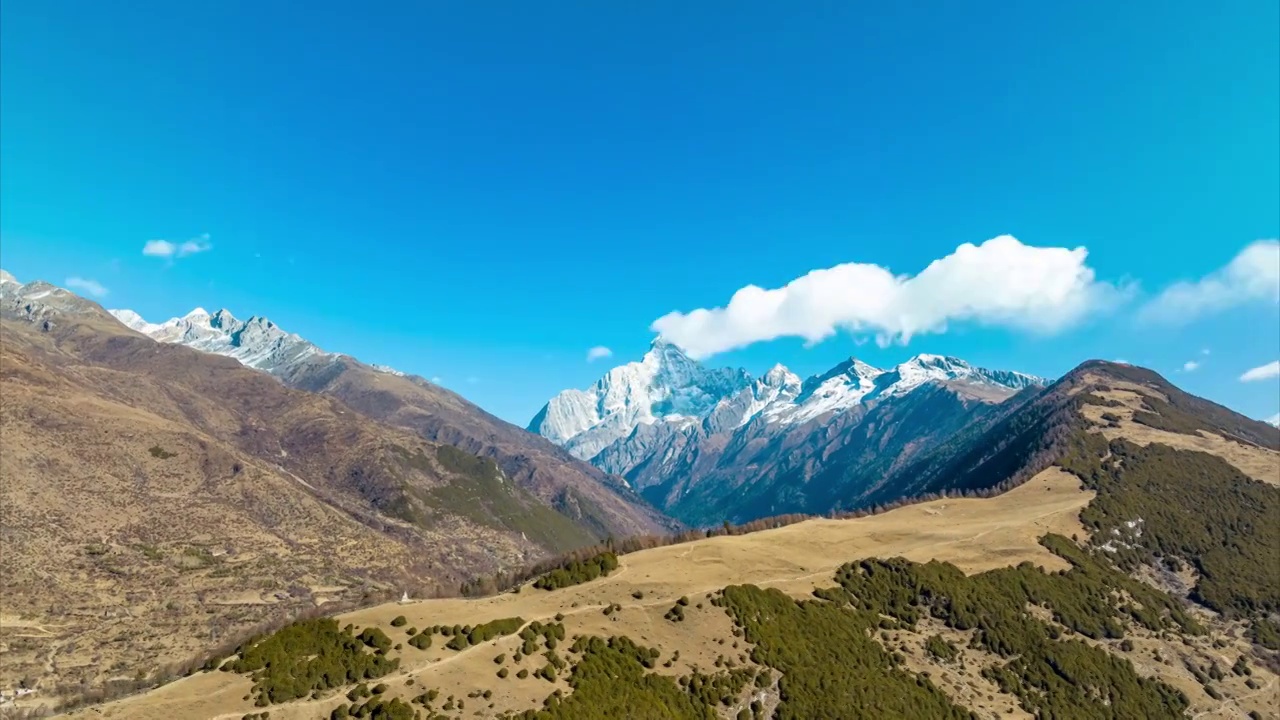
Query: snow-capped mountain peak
x,y
780,376
839,388
925,368
665,385
257,342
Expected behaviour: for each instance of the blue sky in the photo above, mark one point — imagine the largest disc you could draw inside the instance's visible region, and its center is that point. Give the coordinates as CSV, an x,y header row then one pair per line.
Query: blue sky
x,y
483,191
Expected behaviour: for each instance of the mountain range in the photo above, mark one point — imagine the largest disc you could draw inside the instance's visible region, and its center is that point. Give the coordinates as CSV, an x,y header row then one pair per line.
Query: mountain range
x,y
710,444
170,489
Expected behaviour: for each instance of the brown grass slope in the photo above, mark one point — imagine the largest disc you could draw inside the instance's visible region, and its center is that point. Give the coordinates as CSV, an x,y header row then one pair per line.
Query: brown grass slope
x,y
590,497
156,500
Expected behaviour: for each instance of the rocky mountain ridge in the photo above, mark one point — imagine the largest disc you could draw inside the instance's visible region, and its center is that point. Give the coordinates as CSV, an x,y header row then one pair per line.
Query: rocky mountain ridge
x,y
602,504
756,448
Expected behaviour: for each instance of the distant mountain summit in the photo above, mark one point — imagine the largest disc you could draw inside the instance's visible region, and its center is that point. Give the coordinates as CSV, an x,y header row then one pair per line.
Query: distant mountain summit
x,y
698,441
666,385
256,342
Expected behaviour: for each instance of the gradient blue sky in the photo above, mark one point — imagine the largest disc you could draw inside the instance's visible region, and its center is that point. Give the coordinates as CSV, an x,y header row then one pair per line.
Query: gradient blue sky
x,y
483,191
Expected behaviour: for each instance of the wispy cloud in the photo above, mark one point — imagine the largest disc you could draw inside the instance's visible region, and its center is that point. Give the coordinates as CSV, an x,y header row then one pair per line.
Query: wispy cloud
x,y
1252,276
598,352
1262,372
87,286
1001,282
173,250
1190,366
472,380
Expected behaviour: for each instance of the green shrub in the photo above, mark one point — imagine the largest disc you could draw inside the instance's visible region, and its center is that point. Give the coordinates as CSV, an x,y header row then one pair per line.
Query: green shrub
x,y
306,657
484,633
422,640
376,639
941,648
399,621
578,571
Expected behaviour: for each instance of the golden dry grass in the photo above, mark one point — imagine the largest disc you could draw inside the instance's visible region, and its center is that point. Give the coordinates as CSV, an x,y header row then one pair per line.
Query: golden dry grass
x,y
1257,462
975,534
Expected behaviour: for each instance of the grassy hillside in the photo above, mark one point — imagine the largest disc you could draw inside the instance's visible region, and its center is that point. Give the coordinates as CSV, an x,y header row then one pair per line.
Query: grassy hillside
x,y
1139,582
158,501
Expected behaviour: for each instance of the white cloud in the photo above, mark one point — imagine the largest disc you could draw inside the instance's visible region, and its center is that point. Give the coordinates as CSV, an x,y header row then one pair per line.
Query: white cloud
x,y
1252,276
1262,372
1273,420
87,286
598,352
172,250
1000,282
437,380
1190,366
1204,351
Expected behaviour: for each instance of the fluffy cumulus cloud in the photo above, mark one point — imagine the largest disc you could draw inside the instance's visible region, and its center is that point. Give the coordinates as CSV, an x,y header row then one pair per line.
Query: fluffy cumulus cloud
x,y
598,352
87,286
1252,276
1262,372
1273,420
1190,366
172,250
1001,282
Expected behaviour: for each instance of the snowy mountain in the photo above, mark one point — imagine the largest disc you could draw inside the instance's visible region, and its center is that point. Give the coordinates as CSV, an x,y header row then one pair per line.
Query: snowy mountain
x,y
691,438
256,342
39,301
664,386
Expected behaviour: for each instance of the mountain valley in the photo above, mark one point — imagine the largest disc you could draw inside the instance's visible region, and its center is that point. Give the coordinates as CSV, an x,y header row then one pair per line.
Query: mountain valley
x,y
220,509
